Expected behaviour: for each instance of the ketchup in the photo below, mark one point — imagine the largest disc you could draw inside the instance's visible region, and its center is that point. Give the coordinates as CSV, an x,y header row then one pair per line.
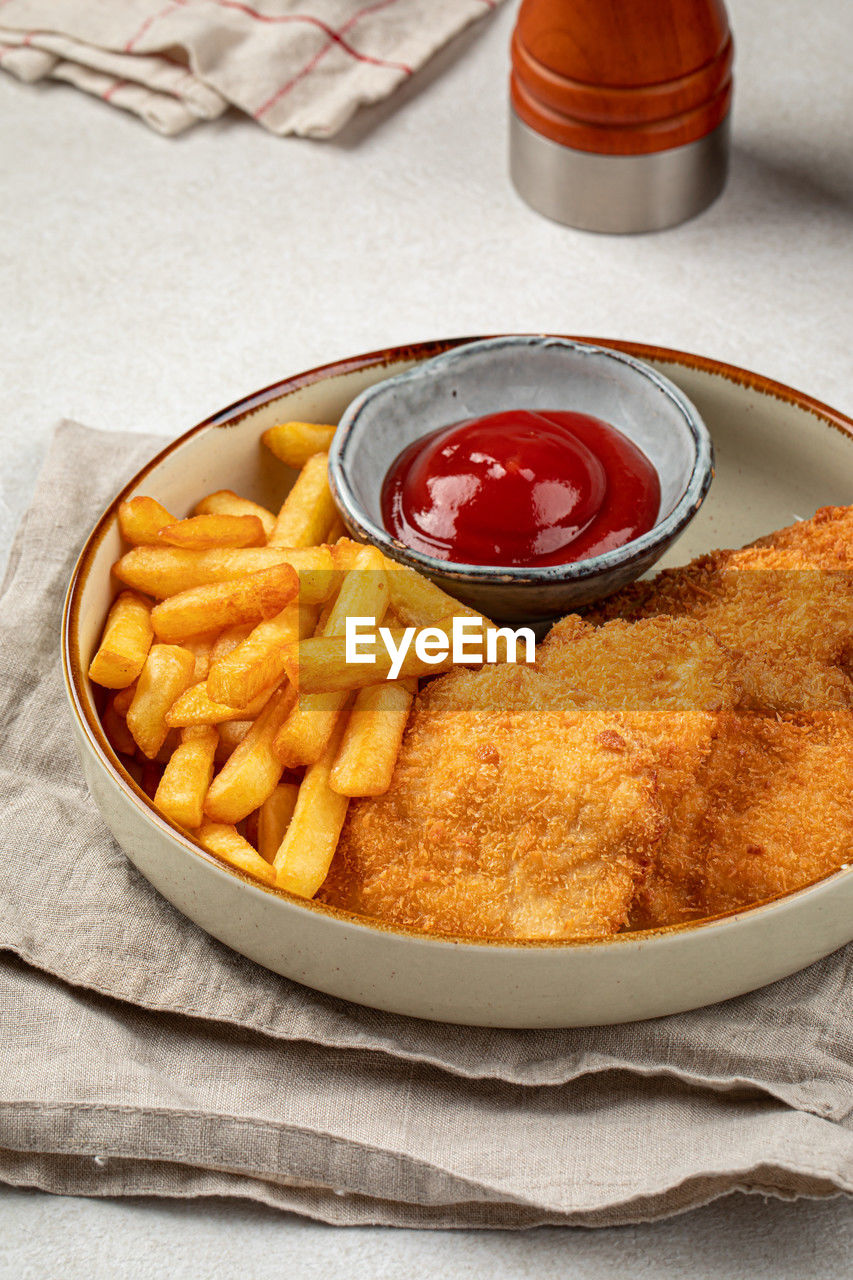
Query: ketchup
x,y
524,487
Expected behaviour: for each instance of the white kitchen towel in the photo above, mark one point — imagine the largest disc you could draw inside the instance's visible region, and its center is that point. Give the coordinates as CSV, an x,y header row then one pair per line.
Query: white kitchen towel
x,y
294,66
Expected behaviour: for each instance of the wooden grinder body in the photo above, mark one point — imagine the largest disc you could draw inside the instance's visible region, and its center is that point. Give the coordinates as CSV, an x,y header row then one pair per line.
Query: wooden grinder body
x,y
629,96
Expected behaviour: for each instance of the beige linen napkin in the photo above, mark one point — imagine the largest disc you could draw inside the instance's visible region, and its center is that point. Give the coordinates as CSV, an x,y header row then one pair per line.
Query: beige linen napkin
x,y
294,66
139,1056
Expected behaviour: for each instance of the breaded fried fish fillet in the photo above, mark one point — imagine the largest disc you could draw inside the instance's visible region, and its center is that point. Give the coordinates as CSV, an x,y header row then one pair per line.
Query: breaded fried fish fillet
x,y
668,677
529,802
771,806
689,753
785,604
771,810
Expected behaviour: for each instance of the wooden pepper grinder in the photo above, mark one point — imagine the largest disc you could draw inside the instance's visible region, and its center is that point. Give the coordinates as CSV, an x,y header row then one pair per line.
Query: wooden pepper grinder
x,y
620,110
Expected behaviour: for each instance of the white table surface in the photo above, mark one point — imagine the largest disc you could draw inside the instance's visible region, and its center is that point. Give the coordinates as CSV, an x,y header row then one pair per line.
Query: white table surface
x,y
145,283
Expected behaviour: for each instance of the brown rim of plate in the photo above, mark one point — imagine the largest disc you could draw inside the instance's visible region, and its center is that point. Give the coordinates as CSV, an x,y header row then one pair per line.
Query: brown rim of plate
x,y
74,674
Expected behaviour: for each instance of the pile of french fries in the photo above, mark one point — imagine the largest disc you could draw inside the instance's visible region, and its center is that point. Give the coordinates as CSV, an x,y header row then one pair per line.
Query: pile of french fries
x,y
230,701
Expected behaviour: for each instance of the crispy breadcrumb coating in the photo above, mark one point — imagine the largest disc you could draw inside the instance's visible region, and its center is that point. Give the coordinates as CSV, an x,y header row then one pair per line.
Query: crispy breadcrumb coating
x,y
769,811
527,803
684,750
785,604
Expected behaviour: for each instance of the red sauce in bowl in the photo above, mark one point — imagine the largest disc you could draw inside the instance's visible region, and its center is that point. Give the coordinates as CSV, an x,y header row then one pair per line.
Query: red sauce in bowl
x,y
524,487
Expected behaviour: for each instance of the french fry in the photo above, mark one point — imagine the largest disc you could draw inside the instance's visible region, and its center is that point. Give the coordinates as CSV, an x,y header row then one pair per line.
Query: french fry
x,y
320,664
141,519
122,699
126,640
200,647
195,707
419,602
295,442
217,688
336,530
374,730
252,772
308,509
223,604
231,734
324,617
317,581
273,818
305,854
228,640
345,553
308,620
225,841
167,673
199,533
364,593
165,571
118,734
226,503
237,677
303,737
186,778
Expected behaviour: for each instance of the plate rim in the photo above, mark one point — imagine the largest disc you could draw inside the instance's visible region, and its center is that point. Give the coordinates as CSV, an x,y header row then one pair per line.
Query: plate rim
x,y
72,667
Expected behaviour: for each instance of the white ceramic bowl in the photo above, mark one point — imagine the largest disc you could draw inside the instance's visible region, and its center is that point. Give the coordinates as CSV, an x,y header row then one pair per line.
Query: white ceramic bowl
x,y
779,455
525,371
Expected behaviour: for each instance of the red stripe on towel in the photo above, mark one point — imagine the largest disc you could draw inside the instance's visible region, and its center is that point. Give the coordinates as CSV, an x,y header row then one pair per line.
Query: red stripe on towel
x,y
108,92
335,38
149,22
312,20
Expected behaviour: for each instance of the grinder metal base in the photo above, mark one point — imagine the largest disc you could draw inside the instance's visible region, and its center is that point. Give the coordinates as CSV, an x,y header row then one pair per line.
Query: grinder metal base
x,y
616,193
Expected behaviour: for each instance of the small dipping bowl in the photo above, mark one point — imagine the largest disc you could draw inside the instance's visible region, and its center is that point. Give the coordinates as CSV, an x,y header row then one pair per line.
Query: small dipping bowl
x,y
524,372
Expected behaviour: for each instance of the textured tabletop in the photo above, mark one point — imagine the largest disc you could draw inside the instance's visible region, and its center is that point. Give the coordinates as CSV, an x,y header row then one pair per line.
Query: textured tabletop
x,y
146,283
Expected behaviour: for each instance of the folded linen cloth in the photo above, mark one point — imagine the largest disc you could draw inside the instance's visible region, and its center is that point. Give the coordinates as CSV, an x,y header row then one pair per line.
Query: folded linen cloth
x,y
139,1056
294,66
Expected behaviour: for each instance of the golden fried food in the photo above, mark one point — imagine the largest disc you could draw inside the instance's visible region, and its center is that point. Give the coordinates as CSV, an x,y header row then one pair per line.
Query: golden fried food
x,y
683,750
769,811
125,644
449,849
689,755
670,677
527,802
785,604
